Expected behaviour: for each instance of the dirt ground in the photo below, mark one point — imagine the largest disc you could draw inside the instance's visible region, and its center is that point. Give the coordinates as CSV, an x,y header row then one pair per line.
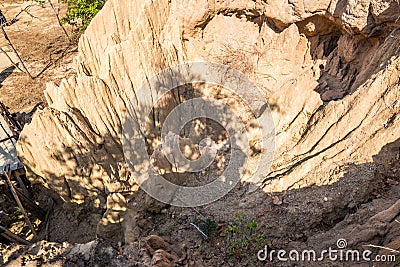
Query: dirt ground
x,y
40,42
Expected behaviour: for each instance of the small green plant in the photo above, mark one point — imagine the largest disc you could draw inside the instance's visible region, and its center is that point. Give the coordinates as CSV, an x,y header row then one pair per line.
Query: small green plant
x,y
166,231
207,226
242,237
81,12
252,225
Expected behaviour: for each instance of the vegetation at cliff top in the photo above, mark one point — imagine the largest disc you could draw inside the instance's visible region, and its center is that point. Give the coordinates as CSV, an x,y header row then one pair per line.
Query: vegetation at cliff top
x,y
81,12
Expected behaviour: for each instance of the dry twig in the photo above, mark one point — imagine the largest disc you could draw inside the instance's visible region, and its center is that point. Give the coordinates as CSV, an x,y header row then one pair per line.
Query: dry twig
x,y
28,222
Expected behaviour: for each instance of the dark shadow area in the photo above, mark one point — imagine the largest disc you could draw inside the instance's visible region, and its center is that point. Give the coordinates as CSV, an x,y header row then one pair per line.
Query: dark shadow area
x,y
26,117
316,217
347,61
307,218
5,73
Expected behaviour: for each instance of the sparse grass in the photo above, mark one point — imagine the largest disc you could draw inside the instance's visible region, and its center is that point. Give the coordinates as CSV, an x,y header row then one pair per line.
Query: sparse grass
x,y
166,231
208,226
243,238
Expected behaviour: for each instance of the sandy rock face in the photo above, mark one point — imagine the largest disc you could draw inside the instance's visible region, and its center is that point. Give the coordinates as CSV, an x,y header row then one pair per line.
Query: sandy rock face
x,y
329,72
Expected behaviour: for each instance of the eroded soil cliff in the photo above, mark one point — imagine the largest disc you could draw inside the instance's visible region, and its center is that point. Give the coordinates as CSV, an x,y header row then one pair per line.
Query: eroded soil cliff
x,y
330,74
